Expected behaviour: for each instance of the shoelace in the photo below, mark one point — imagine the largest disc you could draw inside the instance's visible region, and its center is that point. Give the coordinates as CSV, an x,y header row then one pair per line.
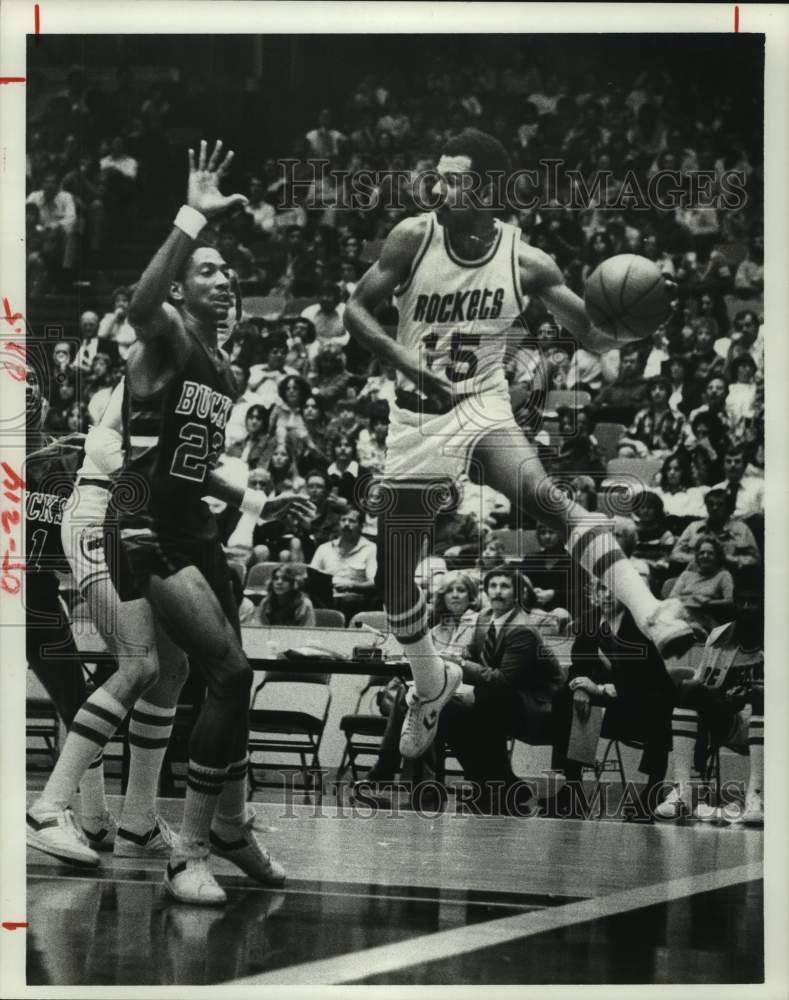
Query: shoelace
x,y
165,831
74,826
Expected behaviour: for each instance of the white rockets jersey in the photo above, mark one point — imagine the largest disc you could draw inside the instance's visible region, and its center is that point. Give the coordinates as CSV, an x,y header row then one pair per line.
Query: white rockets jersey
x,y
455,313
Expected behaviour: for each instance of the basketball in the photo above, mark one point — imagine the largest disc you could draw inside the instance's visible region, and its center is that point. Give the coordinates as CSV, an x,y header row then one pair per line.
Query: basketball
x,y
626,298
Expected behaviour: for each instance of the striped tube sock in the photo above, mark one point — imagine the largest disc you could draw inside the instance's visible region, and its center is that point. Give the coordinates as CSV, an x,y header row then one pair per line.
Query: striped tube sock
x,y
92,727
231,809
203,787
410,628
684,729
592,544
92,800
756,754
150,727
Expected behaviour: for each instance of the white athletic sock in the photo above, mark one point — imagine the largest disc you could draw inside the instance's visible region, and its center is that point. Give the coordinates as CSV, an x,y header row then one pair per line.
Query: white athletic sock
x,y
411,630
231,808
684,729
203,786
150,727
92,798
593,545
92,727
756,754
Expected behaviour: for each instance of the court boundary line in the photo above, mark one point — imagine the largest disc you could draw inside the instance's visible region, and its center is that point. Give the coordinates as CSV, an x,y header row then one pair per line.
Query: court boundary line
x,y
355,966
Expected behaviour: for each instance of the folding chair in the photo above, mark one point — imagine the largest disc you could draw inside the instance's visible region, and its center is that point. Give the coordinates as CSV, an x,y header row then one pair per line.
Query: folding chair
x,y
274,728
363,730
329,618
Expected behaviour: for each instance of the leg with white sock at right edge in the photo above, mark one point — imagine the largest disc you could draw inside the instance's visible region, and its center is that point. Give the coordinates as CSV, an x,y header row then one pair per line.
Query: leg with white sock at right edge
x,y
753,813
679,802
404,537
509,464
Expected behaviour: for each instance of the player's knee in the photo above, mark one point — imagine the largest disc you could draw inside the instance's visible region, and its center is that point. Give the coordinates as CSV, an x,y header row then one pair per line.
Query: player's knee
x,y
178,669
143,672
233,682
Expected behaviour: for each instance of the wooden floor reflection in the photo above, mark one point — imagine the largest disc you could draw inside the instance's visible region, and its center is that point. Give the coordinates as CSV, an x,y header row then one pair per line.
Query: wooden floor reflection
x,y
369,882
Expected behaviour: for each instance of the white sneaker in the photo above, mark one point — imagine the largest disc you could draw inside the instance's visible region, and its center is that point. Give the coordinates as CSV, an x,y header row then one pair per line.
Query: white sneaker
x,y
669,630
158,842
105,828
753,814
190,880
56,832
421,718
707,813
672,807
242,847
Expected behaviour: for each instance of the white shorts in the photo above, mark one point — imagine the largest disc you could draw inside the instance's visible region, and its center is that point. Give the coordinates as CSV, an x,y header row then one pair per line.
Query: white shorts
x,y
424,445
83,533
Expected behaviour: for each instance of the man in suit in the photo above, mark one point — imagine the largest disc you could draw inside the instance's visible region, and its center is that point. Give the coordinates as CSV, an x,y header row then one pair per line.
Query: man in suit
x,y
614,666
511,681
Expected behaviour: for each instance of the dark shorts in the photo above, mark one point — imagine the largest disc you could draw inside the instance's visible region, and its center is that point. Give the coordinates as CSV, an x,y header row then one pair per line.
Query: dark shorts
x,y
149,551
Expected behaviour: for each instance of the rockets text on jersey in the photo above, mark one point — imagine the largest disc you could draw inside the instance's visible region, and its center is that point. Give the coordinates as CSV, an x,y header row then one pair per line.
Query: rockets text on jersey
x,y
456,313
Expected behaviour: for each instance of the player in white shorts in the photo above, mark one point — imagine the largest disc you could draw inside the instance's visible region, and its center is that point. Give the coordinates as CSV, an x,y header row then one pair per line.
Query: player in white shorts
x,y
461,280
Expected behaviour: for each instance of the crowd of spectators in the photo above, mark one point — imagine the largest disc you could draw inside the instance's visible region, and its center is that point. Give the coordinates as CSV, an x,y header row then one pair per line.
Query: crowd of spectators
x,y
685,407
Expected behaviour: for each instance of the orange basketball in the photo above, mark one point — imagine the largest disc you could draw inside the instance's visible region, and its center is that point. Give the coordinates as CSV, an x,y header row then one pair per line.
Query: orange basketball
x,y
626,297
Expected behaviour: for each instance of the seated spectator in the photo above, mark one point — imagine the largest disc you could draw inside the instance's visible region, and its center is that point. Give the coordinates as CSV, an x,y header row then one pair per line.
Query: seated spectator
x,y
511,680
706,588
288,540
381,384
283,470
706,464
681,498
89,343
324,142
326,318
258,444
747,492
584,492
261,212
265,377
285,420
657,425
57,215
685,390
240,259
553,574
741,398
331,379
655,539
749,276
346,419
620,401
736,538
61,370
371,445
351,561
77,418
705,359
314,450
343,471
302,335
98,389
285,602
115,327
60,402
716,390
722,704
613,666
117,161
491,556
235,428
326,523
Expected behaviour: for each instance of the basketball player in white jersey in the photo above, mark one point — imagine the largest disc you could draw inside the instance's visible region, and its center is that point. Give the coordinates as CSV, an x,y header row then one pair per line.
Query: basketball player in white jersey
x,y
461,278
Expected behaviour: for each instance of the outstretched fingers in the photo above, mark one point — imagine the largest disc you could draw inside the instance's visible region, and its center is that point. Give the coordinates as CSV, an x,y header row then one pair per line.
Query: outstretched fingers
x,y
191,161
202,160
213,163
224,166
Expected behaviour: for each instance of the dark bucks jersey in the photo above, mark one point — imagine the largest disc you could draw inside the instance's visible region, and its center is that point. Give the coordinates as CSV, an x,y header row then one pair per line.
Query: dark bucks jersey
x,y
172,439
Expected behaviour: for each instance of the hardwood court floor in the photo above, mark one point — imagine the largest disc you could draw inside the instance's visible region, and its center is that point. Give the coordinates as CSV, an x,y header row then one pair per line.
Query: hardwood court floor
x,y
405,899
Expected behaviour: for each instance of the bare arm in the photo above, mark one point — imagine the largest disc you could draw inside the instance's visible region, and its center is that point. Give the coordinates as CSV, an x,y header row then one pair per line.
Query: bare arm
x,y
220,486
541,277
376,287
149,313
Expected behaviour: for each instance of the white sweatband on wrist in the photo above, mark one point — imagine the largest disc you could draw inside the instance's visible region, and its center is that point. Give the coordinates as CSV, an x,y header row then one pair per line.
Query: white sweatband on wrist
x,y
253,502
190,221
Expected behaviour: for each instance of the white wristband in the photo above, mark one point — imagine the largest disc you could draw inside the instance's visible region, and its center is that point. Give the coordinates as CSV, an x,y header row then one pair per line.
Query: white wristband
x,y
253,502
190,221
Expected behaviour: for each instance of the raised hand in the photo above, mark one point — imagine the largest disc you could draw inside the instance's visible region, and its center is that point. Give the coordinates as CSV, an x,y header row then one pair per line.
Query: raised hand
x,y
203,192
276,508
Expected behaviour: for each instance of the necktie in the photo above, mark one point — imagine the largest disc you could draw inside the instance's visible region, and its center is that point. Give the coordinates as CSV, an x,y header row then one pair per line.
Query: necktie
x,y
489,649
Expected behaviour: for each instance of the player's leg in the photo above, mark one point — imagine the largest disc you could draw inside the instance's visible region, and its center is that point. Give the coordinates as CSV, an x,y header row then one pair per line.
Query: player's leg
x,y
51,827
754,795
194,618
406,516
511,466
142,832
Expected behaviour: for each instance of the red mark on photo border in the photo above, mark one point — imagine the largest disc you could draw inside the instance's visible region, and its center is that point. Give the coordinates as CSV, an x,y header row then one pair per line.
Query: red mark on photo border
x,y
736,18
37,20
12,79
11,925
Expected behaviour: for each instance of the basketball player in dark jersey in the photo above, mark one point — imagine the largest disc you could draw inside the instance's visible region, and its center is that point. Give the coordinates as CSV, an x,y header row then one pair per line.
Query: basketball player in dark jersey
x,y
461,280
179,393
